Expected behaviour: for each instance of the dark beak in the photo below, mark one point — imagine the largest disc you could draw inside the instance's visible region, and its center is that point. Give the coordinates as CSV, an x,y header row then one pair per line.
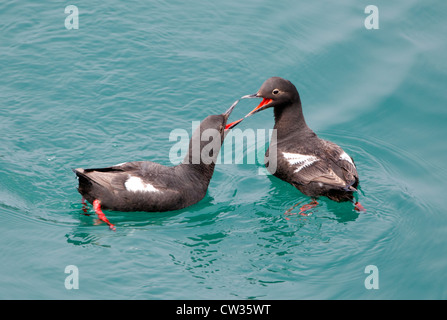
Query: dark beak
x,y
227,115
263,105
230,109
250,96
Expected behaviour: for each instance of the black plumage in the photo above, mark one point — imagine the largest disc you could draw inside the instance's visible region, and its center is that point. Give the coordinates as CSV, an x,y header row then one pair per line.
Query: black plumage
x,y
298,156
152,187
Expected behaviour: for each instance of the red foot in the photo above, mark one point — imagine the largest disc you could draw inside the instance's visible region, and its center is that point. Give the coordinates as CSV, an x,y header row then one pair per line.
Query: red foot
x,y
289,210
101,215
359,207
306,207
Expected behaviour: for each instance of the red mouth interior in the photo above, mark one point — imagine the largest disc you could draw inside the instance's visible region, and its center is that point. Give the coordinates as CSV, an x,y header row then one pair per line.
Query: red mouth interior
x,y
232,124
263,103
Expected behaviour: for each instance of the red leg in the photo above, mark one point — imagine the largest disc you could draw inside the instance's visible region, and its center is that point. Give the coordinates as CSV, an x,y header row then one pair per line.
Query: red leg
x,y
101,215
84,207
304,208
288,211
359,207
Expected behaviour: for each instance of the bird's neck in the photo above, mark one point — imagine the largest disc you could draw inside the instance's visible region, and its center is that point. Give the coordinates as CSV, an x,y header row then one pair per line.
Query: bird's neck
x,y
200,174
201,158
289,120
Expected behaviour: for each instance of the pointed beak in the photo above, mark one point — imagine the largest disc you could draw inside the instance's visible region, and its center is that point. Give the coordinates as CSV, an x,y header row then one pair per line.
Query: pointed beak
x,y
263,105
227,115
250,96
230,109
232,124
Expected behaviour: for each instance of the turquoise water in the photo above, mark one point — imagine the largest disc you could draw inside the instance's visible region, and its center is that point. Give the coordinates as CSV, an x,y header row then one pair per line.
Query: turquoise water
x,y
113,90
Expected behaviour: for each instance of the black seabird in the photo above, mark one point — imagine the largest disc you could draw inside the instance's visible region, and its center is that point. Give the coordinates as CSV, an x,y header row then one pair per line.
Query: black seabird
x,y
152,187
314,166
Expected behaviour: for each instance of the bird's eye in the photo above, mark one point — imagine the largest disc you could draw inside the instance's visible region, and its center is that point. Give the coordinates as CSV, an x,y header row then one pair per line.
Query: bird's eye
x,y
275,91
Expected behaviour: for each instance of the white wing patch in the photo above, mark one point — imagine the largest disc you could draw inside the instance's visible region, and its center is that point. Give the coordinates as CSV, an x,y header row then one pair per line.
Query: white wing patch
x,y
119,164
346,157
135,184
302,160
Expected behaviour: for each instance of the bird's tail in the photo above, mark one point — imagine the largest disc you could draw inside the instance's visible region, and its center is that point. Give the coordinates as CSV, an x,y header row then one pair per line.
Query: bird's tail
x,y
85,183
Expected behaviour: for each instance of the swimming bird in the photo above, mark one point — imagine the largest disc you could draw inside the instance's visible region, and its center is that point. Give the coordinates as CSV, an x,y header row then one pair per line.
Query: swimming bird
x,y
152,187
314,166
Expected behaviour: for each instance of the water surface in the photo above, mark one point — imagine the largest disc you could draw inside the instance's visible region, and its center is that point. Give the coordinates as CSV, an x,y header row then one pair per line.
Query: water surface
x,y
113,90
